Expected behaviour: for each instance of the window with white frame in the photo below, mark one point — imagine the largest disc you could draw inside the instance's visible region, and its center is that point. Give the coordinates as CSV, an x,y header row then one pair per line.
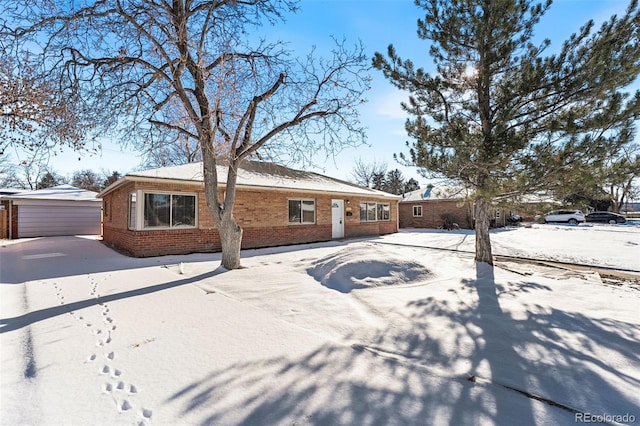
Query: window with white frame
x,y
302,211
132,210
372,212
162,210
384,212
417,211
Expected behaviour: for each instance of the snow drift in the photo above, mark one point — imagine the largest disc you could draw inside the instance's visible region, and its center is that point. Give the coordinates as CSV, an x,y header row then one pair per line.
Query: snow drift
x,y
364,267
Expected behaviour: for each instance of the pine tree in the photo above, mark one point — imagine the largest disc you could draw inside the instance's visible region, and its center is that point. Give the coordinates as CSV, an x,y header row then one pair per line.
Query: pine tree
x,y
411,185
110,179
48,180
501,116
394,182
378,181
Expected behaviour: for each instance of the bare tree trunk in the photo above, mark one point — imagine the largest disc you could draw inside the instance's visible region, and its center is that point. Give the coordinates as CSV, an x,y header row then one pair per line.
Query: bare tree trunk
x,y
483,242
231,240
222,214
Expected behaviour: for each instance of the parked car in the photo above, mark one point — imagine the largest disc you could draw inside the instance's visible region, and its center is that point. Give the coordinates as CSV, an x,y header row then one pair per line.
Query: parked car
x,y
568,216
605,217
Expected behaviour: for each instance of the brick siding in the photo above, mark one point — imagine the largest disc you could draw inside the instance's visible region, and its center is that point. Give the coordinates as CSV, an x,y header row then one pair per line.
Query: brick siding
x,y
432,211
263,215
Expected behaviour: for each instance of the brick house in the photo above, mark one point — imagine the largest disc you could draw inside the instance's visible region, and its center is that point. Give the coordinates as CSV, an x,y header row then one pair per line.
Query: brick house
x,y
428,207
164,211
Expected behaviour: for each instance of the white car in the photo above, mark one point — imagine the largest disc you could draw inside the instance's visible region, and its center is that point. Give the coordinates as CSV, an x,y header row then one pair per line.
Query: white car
x,y
566,216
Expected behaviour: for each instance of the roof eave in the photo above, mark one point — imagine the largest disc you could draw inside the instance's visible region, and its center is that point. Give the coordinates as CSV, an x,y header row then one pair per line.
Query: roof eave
x,y
134,178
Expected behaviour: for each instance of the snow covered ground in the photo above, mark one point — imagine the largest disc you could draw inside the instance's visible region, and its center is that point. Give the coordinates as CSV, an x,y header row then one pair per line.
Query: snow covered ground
x,y
380,331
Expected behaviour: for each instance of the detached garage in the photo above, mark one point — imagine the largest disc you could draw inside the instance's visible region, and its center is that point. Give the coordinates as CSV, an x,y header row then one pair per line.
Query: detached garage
x,y
59,210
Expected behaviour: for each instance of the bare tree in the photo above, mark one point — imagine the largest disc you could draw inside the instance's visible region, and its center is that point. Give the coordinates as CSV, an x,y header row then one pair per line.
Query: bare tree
x,y
33,165
9,175
34,115
176,151
191,68
87,179
364,174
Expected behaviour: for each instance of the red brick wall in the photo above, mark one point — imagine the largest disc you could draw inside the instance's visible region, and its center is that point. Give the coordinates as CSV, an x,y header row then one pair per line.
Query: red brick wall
x,y
263,215
432,211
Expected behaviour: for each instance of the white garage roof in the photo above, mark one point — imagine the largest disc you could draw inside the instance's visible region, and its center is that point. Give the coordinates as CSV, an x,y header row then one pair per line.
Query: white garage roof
x,y
60,192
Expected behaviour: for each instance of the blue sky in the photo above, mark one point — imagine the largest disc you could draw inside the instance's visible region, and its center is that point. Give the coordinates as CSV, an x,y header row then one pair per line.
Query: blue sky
x,y
377,23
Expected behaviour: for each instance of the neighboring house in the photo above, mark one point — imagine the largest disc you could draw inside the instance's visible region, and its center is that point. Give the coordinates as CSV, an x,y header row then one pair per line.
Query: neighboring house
x,y
427,207
164,211
59,210
432,206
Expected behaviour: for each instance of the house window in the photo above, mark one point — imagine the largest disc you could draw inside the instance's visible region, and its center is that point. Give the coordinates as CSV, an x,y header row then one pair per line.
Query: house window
x,y
169,210
417,211
371,212
162,210
384,212
302,211
132,210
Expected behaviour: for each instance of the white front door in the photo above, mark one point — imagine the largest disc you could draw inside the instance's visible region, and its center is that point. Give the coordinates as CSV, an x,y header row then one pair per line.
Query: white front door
x,y
337,218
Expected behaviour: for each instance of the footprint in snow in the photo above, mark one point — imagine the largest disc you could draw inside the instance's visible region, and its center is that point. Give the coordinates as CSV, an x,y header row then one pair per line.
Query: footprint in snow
x,y
125,406
92,357
108,387
111,355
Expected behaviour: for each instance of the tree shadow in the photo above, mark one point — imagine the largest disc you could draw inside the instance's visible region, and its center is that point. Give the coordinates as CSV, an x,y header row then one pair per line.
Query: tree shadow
x,y
565,356
28,318
335,385
57,257
418,372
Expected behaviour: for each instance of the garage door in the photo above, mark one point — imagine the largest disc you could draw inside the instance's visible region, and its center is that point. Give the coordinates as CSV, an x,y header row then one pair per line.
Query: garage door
x,y
44,221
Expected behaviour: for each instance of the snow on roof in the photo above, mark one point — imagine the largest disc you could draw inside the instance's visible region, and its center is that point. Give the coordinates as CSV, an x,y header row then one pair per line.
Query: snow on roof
x,y
444,192
60,192
10,191
262,174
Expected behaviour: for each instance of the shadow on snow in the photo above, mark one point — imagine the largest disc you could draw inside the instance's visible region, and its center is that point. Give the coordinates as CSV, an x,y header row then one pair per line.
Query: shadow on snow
x,y
419,380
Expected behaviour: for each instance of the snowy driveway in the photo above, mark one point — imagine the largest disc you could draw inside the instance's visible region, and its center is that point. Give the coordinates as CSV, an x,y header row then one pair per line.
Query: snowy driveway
x,y
356,332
